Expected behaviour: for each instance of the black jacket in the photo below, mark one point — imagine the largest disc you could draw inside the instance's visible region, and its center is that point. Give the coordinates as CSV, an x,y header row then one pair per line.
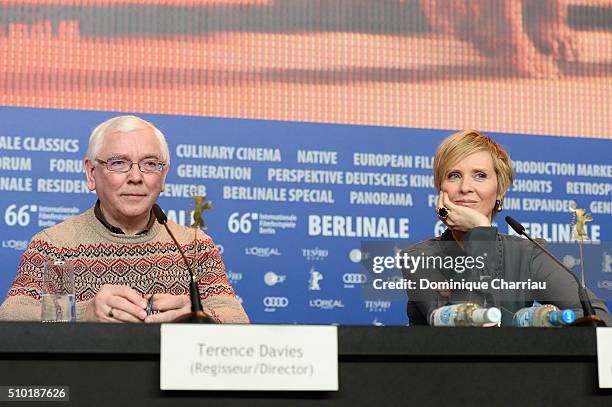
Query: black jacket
x,y
500,260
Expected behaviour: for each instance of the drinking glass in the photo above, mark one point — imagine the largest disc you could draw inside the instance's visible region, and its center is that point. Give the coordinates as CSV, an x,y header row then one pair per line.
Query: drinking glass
x,y
57,296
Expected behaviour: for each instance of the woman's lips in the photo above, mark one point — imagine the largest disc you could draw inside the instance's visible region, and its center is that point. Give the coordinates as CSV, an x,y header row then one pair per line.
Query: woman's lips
x,y
465,203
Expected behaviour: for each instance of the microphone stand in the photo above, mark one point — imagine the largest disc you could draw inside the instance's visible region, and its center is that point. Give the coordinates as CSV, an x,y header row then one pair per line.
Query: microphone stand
x,y
197,315
589,318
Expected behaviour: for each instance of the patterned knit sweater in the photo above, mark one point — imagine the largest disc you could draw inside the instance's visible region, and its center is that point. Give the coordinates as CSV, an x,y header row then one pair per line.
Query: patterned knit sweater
x,y
149,263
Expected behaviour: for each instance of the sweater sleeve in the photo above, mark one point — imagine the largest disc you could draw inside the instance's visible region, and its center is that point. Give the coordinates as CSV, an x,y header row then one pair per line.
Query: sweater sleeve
x,y
22,302
218,297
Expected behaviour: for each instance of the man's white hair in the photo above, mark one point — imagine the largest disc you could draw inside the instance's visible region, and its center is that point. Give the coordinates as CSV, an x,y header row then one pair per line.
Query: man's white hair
x,y
123,124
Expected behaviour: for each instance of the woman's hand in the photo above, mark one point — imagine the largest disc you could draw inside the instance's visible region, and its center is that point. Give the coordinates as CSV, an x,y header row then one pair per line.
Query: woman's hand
x,y
116,303
460,218
169,308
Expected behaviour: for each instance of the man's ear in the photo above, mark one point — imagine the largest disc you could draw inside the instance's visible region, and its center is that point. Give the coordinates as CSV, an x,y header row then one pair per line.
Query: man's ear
x,y
89,169
164,174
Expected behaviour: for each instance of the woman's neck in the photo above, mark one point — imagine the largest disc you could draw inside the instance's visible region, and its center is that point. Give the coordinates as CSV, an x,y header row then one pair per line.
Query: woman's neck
x,y
458,236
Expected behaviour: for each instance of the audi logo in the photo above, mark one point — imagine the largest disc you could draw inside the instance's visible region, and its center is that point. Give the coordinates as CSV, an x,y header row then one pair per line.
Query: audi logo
x,y
354,278
275,302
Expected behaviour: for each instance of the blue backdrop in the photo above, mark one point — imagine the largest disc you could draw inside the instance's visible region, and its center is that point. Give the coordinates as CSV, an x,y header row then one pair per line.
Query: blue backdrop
x,y
288,198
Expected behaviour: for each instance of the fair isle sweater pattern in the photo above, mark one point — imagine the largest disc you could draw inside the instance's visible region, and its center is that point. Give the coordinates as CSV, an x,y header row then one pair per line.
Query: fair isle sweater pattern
x,y
148,263
148,268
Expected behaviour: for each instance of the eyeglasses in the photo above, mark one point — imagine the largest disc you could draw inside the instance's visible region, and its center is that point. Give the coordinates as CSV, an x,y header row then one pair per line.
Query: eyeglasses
x,y
148,165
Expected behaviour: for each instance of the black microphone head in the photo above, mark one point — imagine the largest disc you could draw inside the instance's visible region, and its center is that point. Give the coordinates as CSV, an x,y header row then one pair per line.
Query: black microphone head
x,y
517,227
159,214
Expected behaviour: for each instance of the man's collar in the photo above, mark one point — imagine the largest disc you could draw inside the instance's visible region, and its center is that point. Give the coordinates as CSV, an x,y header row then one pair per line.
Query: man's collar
x,y
115,229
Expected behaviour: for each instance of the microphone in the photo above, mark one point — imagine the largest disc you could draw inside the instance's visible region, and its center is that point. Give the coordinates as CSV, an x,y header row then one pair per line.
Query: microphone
x,y
517,227
197,311
590,318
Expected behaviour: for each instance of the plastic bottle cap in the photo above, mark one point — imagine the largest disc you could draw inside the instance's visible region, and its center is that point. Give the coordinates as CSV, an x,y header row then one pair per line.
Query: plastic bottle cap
x,y
568,316
555,318
486,317
493,315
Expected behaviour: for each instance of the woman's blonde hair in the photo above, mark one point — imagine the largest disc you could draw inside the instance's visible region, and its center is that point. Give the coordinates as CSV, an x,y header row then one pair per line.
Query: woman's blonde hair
x,y
459,145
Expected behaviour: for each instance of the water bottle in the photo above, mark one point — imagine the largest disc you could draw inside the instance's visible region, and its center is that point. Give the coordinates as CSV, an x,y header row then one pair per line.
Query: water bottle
x,y
465,314
543,316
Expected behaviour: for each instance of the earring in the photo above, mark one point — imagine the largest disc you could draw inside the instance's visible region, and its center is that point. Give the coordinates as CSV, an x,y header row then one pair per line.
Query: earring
x,y
499,205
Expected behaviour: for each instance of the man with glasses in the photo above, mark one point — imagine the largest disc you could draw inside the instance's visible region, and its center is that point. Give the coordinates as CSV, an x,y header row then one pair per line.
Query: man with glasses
x,y
127,269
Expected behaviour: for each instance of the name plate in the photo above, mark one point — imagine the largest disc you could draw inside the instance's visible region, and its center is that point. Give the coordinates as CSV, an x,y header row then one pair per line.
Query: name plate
x,y
604,357
248,357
